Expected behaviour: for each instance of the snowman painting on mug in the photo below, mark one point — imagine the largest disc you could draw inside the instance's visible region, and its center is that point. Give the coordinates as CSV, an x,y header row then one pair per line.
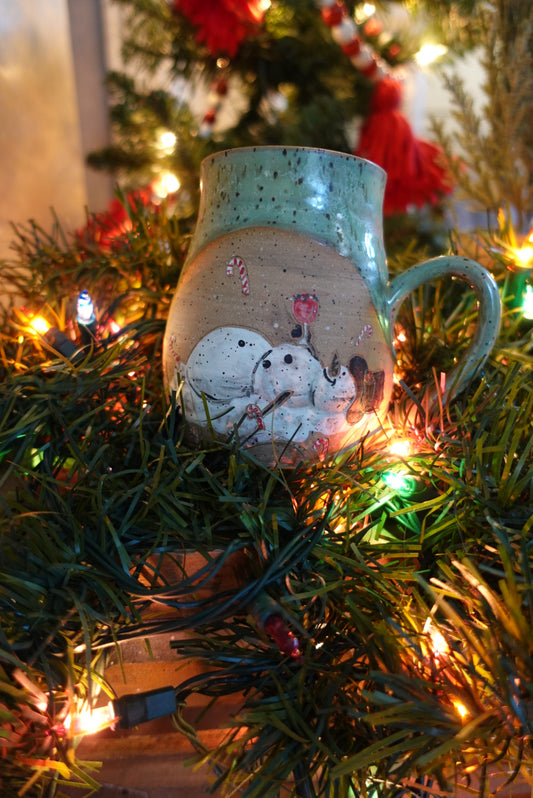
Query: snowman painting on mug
x,y
243,384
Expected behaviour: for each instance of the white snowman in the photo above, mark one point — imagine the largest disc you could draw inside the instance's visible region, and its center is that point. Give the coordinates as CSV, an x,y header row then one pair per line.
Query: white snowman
x,y
287,369
263,390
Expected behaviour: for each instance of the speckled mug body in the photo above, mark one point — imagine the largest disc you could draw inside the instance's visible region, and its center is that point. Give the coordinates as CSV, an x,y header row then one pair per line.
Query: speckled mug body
x,y
278,333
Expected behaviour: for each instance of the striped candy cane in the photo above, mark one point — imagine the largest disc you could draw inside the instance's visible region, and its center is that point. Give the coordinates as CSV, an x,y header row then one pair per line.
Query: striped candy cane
x,y
366,332
239,264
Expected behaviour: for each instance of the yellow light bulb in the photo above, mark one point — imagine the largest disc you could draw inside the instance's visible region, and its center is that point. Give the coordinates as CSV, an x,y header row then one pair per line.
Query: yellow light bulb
x,y
460,708
167,183
167,141
429,53
523,257
39,325
400,447
94,720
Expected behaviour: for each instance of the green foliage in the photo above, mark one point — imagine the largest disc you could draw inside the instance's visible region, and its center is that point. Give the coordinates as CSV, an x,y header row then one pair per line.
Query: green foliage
x,y
294,83
490,149
102,497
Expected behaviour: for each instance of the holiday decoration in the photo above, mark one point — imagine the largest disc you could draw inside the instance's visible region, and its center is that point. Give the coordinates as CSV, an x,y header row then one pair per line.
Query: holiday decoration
x,y
357,626
125,712
86,318
415,171
314,374
222,25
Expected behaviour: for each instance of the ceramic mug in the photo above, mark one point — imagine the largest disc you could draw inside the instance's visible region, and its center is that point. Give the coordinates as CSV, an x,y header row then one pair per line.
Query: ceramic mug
x,y
279,334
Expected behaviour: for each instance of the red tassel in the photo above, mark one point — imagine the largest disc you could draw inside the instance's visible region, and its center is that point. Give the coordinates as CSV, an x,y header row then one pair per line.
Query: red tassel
x,y
415,175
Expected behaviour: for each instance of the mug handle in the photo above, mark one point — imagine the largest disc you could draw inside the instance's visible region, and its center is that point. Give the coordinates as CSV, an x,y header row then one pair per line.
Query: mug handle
x,y
489,311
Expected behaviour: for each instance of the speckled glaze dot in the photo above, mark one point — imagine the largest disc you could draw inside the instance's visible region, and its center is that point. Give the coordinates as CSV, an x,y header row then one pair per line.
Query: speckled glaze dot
x,y
279,333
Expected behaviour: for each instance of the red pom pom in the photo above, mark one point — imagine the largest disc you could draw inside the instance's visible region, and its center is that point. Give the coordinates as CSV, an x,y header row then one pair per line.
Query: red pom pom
x,y
415,175
372,28
333,15
210,116
353,48
109,229
370,71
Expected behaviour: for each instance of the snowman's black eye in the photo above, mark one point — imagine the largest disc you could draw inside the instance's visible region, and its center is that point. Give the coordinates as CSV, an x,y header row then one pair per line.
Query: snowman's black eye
x,y
266,364
242,343
288,358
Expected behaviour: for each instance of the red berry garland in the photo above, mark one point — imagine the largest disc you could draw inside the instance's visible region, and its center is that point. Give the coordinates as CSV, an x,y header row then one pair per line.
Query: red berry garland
x,y
415,175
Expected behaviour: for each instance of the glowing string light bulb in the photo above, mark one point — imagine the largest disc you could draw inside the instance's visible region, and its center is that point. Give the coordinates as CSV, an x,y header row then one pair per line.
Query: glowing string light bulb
x,y
39,325
166,141
462,711
86,318
91,721
399,482
125,712
39,328
527,303
167,183
401,447
429,53
520,269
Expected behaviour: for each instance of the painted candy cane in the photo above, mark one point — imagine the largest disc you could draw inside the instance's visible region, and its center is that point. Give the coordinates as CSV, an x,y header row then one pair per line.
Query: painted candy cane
x,y
366,332
253,411
173,349
238,263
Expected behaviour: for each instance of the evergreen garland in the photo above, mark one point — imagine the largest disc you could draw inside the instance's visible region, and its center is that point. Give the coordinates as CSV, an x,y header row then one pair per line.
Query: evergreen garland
x,y
101,497
366,558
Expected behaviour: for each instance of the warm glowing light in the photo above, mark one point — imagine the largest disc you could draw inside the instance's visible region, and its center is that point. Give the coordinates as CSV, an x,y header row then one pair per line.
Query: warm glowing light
x,y
165,184
39,325
523,257
91,721
166,141
114,327
439,644
429,53
460,707
527,303
35,694
364,12
400,447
